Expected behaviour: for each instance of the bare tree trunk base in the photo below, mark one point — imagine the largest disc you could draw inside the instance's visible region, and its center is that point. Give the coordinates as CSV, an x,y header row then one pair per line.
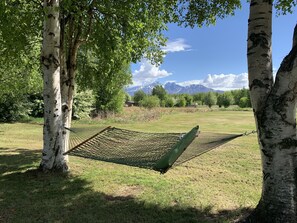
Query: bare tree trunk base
x,y
63,168
265,214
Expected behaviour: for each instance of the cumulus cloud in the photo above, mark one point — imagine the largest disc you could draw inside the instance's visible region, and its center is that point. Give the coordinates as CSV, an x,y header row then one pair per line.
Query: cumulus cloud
x,y
148,73
222,81
176,46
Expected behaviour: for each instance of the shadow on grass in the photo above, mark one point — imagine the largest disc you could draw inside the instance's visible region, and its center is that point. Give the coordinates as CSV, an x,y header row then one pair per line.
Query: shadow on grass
x,y
32,196
17,159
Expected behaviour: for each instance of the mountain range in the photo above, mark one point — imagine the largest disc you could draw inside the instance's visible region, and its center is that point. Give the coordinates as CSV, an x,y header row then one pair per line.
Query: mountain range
x,y
171,88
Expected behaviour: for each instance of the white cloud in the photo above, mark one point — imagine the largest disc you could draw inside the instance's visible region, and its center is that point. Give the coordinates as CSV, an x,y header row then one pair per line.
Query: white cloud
x,y
177,45
274,72
222,81
148,73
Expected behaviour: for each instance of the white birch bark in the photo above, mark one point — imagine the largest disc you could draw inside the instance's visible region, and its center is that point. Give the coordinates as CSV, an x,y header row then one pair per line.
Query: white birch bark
x,y
64,89
71,38
260,52
52,154
69,63
275,114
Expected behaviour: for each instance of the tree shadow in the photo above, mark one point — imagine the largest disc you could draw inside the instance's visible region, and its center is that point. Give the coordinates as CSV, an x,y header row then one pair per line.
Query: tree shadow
x,y
17,159
32,196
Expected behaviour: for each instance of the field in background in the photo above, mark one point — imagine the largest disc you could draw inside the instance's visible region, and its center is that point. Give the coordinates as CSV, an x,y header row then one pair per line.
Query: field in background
x,y
219,186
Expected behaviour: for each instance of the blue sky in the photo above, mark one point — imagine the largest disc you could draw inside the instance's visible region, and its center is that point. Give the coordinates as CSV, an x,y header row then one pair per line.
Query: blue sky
x,y
214,56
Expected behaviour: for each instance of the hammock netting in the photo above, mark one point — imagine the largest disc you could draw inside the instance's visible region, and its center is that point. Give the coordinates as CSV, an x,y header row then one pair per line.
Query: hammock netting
x,y
156,151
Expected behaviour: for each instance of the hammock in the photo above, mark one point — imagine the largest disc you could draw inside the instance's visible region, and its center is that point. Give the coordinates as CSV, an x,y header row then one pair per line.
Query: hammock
x,y
156,151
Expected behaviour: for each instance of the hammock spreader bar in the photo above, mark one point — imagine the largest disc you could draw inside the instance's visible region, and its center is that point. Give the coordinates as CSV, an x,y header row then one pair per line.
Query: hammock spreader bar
x,y
164,164
85,141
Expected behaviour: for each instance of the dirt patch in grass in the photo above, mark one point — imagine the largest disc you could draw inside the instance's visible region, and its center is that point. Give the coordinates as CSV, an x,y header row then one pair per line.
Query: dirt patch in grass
x,y
127,192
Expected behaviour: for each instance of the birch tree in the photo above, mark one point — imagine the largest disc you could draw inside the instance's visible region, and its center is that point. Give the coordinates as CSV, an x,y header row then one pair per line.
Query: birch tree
x,y
274,106
133,28
52,155
130,28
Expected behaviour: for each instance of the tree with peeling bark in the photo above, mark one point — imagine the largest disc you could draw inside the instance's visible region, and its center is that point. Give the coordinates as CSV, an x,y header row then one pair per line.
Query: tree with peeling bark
x,y
53,157
274,106
130,28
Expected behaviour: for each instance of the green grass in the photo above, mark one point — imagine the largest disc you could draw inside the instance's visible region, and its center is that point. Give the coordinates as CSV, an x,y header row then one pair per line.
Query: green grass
x,y
219,186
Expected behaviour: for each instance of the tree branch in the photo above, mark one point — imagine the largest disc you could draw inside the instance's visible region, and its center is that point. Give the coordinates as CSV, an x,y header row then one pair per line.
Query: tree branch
x,y
89,26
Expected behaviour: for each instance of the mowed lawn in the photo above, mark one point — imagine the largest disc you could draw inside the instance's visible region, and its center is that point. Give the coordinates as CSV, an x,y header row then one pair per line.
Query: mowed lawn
x,y
219,186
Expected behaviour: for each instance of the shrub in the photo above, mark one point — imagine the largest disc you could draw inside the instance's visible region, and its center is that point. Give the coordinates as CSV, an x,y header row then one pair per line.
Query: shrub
x,y
162,103
14,108
244,102
127,97
36,105
238,94
169,102
210,99
116,104
150,102
226,99
189,99
138,96
83,104
198,97
181,102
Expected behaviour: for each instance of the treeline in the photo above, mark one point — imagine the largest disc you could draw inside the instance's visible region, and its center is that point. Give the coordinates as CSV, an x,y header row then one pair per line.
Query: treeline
x,y
16,107
160,98
87,103
98,90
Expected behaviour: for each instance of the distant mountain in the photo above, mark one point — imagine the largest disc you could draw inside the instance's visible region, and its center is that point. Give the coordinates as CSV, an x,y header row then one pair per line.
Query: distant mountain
x,y
172,88
146,88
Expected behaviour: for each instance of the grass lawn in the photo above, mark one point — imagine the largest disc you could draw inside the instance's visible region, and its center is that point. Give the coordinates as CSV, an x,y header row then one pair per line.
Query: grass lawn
x,y
219,186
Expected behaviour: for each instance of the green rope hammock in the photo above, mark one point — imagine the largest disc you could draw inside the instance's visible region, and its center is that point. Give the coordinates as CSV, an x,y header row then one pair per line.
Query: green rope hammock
x,y
156,151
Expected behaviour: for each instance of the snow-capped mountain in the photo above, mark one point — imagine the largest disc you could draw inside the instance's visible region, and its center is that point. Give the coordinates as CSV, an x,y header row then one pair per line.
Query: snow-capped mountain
x,y
174,88
171,88
146,88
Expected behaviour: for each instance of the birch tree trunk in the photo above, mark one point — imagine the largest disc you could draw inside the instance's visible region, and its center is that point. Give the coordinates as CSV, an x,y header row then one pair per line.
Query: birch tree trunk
x,y
69,50
64,84
274,106
52,154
